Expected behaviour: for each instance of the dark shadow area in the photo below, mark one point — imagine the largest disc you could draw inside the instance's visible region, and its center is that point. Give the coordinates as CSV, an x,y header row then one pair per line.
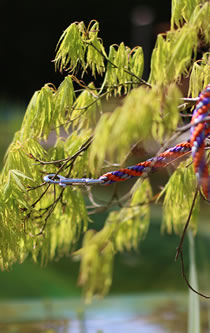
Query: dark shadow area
x,y
31,30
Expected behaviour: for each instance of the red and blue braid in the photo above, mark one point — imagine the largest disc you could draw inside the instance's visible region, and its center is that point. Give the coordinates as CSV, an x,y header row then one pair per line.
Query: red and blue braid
x,y
199,131
151,164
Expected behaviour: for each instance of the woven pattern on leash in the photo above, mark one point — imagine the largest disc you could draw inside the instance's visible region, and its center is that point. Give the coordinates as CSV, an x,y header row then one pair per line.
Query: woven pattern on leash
x,y
151,164
199,132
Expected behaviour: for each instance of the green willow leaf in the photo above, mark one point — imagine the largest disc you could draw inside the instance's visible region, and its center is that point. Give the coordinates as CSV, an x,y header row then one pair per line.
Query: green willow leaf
x,y
177,204
70,48
96,263
200,75
137,62
133,222
64,99
86,109
95,51
124,69
182,11
39,115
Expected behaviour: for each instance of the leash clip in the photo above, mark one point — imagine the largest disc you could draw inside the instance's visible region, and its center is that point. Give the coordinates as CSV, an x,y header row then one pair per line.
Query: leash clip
x,y
63,181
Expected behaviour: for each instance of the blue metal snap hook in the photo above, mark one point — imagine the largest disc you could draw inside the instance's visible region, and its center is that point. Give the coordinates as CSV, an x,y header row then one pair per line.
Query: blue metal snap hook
x,y
48,178
63,181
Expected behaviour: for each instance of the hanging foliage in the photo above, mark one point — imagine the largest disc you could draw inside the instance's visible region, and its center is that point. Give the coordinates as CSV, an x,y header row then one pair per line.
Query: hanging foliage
x,y
45,221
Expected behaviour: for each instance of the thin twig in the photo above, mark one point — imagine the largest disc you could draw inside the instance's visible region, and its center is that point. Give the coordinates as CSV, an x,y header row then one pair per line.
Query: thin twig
x,y
74,156
179,248
30,188
186,127
41,196
49,213
48,162
186,280
183,115
190,100
179,251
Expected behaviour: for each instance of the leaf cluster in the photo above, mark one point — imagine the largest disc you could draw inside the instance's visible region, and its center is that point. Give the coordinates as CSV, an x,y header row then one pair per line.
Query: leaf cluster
x,y
175,50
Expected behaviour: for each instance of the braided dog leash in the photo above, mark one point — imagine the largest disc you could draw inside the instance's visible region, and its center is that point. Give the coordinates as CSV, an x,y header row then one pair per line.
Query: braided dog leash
x,y
200,130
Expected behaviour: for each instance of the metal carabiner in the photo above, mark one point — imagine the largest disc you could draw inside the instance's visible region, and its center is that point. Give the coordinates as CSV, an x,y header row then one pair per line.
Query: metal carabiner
x,y
63,181
48,179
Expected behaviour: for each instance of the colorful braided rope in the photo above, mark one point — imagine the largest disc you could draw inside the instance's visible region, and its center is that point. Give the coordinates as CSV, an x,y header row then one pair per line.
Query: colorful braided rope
x,y
199,132
151,164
